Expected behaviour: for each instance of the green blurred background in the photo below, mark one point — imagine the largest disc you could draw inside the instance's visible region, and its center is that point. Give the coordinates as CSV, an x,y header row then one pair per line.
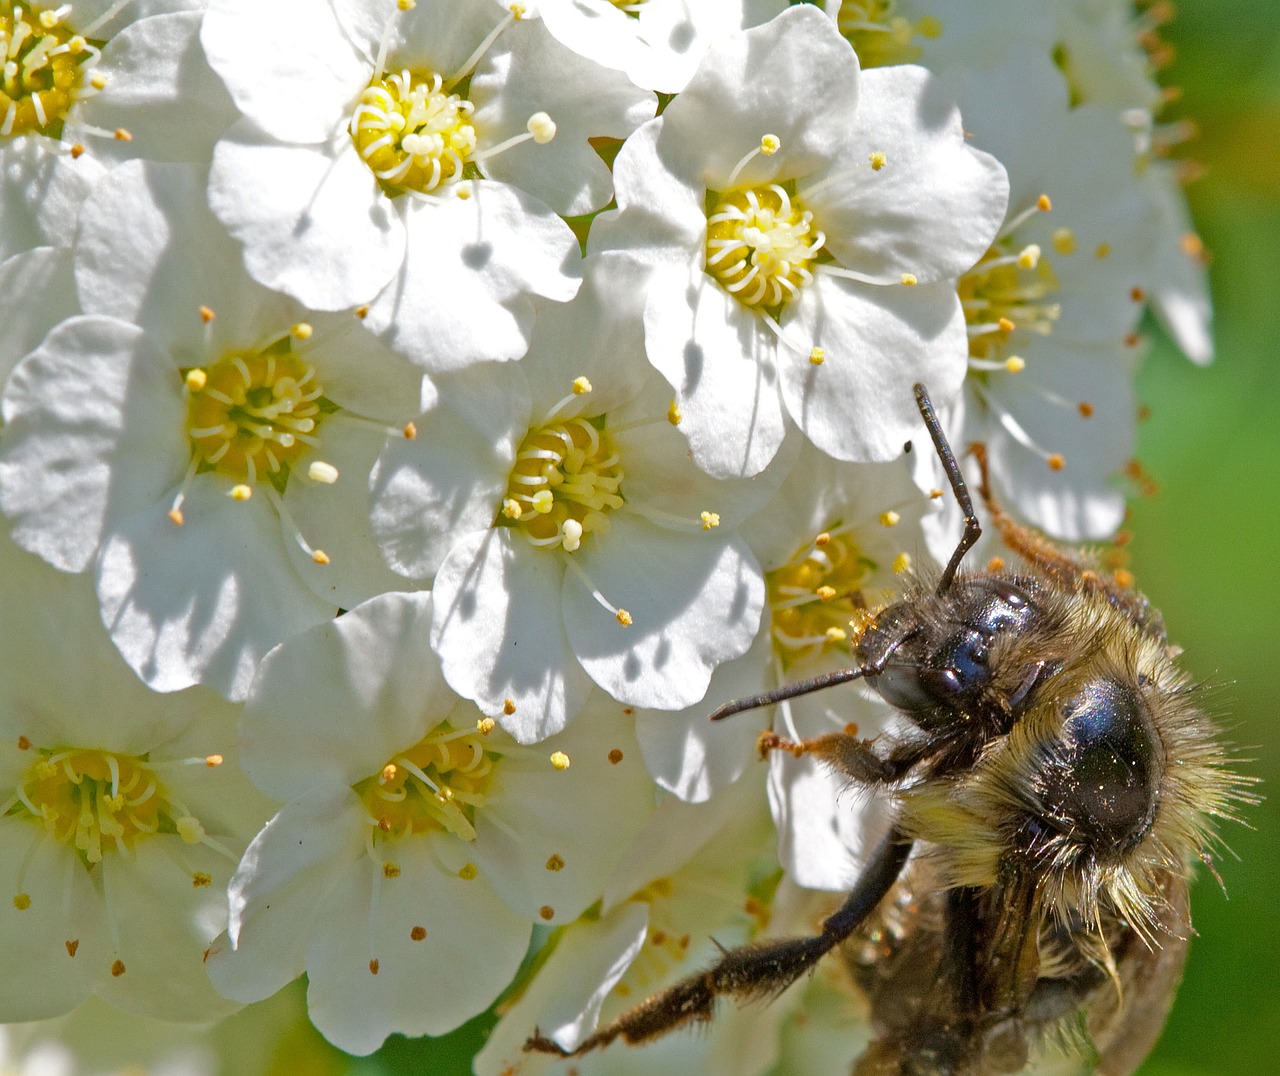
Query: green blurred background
x,y
1203,555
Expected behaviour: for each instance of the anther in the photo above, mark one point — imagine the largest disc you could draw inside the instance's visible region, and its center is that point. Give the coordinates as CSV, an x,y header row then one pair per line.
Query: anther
x,y
555,863
909,279
615,756
901,563
240,492
889,518
486,725
508,706
878,161
710,520
324,473
818,356
673,414
560,761
1044,204
1056,461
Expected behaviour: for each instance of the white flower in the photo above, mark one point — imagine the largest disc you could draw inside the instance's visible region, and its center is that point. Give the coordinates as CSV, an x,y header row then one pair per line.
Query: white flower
x,y
182,438
127,79
364,173
658,43
121,815
1109,54
419,843
574,540
1054,305
37,291
683,891
805,224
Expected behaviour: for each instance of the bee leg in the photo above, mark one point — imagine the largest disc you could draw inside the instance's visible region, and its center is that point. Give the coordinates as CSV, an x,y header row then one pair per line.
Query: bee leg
x,y
845,753
751,972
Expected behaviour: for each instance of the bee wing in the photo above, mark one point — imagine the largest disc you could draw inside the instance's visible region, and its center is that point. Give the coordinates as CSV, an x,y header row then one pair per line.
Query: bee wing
x,y
1124,1034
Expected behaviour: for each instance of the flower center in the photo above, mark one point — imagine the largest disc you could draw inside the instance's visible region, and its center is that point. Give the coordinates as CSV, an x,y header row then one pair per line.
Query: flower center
x,y
564,483
1010,288
433,787
881,36
93,799
414,134
44,64
816,595
760,244
253,414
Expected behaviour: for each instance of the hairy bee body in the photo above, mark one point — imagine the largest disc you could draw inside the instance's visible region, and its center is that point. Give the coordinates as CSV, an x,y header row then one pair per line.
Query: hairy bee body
x,y
1056,778
1053,788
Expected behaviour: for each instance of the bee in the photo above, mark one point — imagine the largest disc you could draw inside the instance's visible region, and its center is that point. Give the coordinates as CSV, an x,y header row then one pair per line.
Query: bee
x,y
1053,786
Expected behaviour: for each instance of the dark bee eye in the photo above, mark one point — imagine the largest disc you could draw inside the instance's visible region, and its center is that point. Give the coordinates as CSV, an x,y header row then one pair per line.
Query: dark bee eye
x,y
1101,779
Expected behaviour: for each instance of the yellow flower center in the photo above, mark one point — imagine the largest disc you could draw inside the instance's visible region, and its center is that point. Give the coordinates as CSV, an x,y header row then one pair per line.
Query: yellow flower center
x,y
98,800
413,133
881,36
816,595
760,244
564,483
433,787
44,68
1010,288
253,415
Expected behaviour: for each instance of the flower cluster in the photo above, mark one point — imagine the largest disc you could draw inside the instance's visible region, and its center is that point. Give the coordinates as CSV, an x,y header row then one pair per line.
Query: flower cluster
x,y
418,415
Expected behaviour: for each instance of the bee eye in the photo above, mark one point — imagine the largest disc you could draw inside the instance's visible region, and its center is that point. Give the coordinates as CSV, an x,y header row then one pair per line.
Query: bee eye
x,y
1101,779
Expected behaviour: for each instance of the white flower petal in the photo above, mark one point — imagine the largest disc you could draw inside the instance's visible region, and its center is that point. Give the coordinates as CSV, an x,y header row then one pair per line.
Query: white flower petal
x,y
498,632
1083,500
92,417
448,481
336,702
45,980
695,601
41,193
528,71
335,518
37,291
472,946
133,261
278,891
696,758
161,90
794,77
578,819
312,219
473,261
934,206
288,64
565,998
722,363
229,612
164,923
598,335
858,404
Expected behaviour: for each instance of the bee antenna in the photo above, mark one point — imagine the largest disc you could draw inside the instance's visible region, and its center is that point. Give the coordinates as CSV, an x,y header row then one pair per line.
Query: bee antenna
x,y
790,691
972,528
